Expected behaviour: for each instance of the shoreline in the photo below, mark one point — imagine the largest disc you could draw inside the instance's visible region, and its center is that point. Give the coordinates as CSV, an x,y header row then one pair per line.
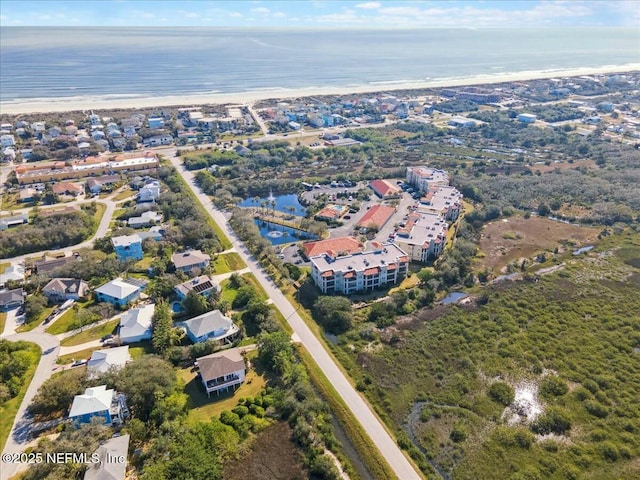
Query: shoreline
x,y
132,101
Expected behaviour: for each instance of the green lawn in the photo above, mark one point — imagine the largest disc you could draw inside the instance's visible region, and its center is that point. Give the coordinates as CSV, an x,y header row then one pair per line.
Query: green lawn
x,y
10,408
136,350
228,293
253,281
4,266
94,333
127,193
228,262
67,319
71,357
100,209
203,408
3,319
27,327
142,265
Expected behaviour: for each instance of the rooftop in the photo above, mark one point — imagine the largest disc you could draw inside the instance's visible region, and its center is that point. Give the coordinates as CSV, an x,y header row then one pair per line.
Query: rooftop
x,y
94,399
136,321
103,360
118,288
190,257
340,245
220,364
376,217
387,254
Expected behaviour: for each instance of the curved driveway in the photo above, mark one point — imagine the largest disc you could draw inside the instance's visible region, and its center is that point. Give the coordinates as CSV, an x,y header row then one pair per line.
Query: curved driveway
x,y
359,407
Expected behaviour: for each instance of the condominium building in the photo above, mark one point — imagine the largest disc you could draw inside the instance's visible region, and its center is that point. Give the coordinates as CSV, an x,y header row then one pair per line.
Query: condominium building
x,y
423,178
442,200
361,272
423,236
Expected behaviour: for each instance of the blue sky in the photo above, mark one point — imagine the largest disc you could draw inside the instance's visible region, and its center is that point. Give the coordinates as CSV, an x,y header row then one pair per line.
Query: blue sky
x,y
321,13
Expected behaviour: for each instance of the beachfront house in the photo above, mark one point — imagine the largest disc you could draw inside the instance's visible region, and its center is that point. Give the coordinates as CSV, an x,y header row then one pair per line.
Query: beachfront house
x,y
222,370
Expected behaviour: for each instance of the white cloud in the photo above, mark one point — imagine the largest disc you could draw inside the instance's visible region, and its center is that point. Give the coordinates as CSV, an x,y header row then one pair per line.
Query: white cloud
x,y
279,15
235,14
260,10
369,5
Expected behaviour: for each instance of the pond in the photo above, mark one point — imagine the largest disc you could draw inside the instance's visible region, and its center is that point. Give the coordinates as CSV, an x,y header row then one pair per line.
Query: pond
x,y
453,297
279,234
284,203
582,250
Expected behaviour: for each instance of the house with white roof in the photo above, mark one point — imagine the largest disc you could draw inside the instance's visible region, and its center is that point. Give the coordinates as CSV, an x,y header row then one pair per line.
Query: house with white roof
x,y
98,402
136,324
211,326
222,370
12,273
150,192
102,361
119,292
146,219
7,140
109,466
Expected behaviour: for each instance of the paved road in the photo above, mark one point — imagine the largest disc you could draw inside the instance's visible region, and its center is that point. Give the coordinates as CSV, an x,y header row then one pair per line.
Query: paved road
x,y
102,230
22,424
359,407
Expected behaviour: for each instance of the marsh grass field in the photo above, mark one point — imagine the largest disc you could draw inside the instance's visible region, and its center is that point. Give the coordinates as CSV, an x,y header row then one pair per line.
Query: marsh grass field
x,y
575,329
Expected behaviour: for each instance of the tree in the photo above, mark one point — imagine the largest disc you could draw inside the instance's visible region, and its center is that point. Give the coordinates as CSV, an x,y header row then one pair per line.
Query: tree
x,y
333,313
34,305
56,394
195,304
275,349
162,325
145,381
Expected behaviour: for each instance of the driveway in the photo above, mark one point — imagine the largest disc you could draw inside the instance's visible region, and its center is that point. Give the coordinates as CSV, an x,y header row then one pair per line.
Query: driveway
x,y
359,407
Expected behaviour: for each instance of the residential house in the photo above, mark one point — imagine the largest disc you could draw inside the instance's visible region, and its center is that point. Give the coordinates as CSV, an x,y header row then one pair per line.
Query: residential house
x,y
102,361
191,261
119,292
68,188
7,140
60,289
386,265
10,222
157,140
150,192
222,370
203,285
156,122
109,465
46,265
11,299
462,122
13,273
95,185
154,233
98,402
212,325
26,194
128,246
145,220
527,118
136,324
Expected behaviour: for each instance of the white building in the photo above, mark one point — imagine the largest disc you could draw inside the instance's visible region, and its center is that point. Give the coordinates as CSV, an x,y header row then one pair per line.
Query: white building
x,y
422,178
386,265
136,324
423,237
150,192
102,361
442,200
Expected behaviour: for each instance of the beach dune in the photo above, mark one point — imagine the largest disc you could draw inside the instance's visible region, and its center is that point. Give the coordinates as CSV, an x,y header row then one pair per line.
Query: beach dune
x,y
66,104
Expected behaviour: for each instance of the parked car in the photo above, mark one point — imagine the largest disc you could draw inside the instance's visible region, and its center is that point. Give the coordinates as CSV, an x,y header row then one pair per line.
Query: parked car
x,y
78,363
106,337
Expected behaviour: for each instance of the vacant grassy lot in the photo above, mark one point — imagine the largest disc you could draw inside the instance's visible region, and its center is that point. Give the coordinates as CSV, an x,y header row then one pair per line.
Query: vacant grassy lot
x,y
228,262
510,239
579,325
9,409
271,455
91,333
27,327
70,358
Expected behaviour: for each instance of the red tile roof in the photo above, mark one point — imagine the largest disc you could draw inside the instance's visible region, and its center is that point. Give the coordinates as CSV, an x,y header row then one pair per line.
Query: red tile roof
x,y
384,188
344,245
372,271
376,217
328,273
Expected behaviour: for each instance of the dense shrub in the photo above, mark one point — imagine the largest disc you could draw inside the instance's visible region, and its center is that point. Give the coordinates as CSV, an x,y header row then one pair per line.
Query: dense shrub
x,y
501,393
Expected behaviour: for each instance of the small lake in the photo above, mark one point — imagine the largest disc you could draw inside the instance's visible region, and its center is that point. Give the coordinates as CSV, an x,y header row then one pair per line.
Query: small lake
x,y
582,250
283,204
279,234
453,297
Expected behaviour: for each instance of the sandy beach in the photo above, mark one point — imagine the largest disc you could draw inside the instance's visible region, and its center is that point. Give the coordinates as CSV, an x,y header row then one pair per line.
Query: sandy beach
x,y
66,104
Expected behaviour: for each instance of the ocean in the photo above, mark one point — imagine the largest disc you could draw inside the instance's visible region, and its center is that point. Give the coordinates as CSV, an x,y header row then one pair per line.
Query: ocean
x,y
50,63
